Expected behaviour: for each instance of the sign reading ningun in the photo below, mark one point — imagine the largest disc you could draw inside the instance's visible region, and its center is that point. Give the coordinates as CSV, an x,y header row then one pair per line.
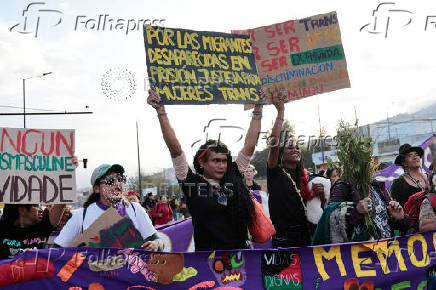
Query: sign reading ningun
x,y
36,166
197,67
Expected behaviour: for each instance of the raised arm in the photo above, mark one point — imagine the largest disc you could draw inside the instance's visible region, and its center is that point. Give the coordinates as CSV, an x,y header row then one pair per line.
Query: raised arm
x,y
274,142
167,131
56,212
253,131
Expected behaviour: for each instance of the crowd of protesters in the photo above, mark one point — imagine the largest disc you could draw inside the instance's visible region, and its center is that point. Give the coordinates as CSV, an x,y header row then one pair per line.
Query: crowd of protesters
x,y
217,195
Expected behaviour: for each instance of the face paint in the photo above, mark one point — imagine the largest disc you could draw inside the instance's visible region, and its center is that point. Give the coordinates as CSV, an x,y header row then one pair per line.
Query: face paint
x,y
111,188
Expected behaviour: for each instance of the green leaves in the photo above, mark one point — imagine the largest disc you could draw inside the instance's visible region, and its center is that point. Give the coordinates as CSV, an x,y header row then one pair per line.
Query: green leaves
x,y
355,155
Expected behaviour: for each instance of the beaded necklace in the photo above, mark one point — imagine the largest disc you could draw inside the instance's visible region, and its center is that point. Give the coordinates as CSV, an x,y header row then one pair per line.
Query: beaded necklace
x,y
297,190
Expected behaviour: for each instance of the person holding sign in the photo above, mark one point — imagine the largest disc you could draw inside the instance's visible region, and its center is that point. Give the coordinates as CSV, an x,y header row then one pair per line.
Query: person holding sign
x,y
24,227
288,187
216,194
108,191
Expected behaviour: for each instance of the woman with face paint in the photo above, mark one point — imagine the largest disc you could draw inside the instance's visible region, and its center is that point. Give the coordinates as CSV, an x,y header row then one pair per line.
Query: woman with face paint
x,y
108,191
216,195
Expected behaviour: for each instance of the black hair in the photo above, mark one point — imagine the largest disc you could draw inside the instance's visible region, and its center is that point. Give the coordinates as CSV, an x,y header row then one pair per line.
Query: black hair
x,y
10,212
430,181
239,203
329,172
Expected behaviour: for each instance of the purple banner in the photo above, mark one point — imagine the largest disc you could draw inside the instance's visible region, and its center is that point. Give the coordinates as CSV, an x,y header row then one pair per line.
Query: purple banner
x,y
390,173
400,263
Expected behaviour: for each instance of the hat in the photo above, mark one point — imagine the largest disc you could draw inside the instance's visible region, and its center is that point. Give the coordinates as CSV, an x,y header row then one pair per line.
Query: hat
x,y
404,149
100,171
132,192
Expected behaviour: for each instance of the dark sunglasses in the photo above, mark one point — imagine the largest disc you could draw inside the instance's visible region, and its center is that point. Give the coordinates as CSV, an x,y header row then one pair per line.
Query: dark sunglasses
x,y
110,180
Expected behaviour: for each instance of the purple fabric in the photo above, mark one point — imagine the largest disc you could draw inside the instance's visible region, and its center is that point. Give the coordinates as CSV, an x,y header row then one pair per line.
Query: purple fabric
x,y
320,267
119,206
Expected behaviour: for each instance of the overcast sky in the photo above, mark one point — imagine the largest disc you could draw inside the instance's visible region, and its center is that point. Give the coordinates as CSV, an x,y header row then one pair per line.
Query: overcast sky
x,y
388,75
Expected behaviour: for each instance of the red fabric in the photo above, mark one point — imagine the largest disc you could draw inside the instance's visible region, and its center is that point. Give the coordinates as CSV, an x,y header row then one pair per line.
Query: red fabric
x,y
261,229
305,192
413,206
167,213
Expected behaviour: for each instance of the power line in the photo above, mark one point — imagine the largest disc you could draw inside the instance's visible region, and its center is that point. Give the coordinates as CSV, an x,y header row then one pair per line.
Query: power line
x,y
16,107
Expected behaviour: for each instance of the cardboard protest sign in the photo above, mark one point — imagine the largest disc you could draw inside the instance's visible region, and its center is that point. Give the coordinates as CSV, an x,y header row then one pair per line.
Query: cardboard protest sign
x,y
110,230
300,58
36,166
198,67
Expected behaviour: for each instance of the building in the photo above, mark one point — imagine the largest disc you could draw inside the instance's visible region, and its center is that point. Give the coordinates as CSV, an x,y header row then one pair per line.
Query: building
x,y
389,134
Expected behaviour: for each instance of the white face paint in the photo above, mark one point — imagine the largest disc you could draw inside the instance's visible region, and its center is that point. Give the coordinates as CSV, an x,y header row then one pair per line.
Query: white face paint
x,y
112,188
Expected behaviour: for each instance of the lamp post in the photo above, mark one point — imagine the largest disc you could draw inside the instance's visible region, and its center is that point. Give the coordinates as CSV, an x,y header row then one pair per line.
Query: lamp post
x,y
24,93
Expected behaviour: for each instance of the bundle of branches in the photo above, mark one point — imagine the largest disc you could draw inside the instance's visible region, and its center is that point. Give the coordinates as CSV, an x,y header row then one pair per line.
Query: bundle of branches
x,y
354,153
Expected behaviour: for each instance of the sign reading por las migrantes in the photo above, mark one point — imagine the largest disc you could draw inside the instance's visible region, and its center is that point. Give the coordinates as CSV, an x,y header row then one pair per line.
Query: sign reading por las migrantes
x,y
300,58
36,166
197,67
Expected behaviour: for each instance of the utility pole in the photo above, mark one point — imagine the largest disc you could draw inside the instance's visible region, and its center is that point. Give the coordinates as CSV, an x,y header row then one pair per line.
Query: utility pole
x,y
389,127
322,143
139,163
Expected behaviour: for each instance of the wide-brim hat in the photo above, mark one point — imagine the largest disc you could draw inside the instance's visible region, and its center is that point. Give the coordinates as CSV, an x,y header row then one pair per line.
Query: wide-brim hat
x,y
100,171
404,149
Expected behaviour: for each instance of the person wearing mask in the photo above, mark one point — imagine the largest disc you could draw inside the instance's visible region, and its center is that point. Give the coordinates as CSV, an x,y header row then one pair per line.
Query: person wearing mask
x,y
108,191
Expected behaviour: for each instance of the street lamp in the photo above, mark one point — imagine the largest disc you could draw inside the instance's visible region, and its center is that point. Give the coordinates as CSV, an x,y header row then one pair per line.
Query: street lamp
x,y
24,93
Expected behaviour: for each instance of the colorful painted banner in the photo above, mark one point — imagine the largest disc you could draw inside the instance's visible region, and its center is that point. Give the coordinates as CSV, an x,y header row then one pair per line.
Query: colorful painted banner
x,y
390,173
36,166
300,58
400,263
198,67
178,236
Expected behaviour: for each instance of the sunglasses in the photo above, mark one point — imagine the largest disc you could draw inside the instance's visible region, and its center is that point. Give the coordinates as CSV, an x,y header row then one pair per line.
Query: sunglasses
x,y
110,180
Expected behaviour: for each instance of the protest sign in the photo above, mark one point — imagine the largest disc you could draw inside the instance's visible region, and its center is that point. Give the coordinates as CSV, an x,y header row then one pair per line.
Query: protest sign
x,y
400,263
36,166
110,230
300,58
198,67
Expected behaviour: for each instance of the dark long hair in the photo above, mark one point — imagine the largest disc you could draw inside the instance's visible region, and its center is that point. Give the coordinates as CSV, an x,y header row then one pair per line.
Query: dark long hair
x,y
10,212
239,202
95,196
